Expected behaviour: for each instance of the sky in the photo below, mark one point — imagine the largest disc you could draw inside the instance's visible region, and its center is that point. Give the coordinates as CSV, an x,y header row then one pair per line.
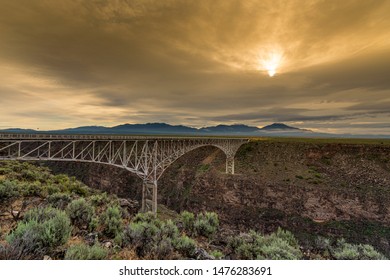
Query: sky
x,y
73,63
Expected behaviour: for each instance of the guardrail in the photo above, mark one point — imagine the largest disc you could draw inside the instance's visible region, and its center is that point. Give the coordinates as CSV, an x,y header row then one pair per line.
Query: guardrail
x,y
16,136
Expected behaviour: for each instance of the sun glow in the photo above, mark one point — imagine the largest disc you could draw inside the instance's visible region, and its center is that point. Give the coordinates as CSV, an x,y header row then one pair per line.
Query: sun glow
x,y
271,62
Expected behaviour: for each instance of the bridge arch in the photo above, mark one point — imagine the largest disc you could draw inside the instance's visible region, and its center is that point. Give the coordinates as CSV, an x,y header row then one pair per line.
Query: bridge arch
x,y
147,157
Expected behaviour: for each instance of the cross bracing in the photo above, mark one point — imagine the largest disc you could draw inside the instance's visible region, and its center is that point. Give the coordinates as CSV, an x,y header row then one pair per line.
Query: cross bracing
x,y
147,157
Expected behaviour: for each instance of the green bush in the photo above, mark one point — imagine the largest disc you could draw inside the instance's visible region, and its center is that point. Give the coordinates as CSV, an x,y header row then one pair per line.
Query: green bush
x,y
161,249
275,248
27,241
217,255
85,252
280,245
31,189
78,188
169,230
206,224
41,214
70,185
93,224
8,189
147,217
188,220
99,199
59,200
322,243
150,236
185,245
347,251
80,213
52,189
42,230
112,221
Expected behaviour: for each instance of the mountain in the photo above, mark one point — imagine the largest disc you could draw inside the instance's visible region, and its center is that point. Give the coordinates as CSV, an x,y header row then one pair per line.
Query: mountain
x,y
85,129
152,128
275,129
18,130
229,129
167,129
279,126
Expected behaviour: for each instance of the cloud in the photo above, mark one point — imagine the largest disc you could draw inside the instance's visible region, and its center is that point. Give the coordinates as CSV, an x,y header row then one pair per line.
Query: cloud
x,y
73,63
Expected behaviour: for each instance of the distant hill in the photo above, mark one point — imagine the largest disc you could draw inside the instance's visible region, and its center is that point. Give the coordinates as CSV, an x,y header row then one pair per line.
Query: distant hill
x,y
152,128
229,129
18,130
279,126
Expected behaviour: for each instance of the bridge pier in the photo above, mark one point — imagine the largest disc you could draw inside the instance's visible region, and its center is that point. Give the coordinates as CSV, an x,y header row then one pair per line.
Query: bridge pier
x,y
229,164
149,196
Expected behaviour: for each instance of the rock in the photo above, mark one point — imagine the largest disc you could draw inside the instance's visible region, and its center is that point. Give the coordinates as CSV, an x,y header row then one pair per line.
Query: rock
x,y
201,254
124,202
91,238
15,213
47,258
128,203
108,244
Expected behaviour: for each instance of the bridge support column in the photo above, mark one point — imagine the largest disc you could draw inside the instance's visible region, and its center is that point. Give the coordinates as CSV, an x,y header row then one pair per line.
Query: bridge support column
x,y
149,196
230,165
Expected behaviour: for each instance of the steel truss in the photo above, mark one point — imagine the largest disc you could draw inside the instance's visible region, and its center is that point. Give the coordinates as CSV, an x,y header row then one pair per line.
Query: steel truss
x,y
145,156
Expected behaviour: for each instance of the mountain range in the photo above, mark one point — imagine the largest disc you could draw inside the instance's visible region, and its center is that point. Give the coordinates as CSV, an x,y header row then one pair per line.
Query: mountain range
x,y
275,129
167,129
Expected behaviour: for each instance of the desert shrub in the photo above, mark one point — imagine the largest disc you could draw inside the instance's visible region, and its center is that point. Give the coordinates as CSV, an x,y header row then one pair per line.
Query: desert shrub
x,y
234,242
41,231
78,188
285,235
217,255
275,248
52,189
57,230
206,224
347,251
367,252
31,189
85,252
59,200
55,224
143,236
41,214
4,252
322,243
169,230
280,245
93,224
150,236
26,172
27,241
161,249
29,174
147,217
80,212
8,189
112,221
134,233
185,245
188,220
70,185
141,233
99,199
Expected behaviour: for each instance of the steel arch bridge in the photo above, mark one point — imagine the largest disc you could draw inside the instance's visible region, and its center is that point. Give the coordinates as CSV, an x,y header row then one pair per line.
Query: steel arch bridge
x,y
147,157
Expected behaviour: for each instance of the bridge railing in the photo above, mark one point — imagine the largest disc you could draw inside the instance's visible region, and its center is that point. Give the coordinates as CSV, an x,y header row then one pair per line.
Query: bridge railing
x,y
37,136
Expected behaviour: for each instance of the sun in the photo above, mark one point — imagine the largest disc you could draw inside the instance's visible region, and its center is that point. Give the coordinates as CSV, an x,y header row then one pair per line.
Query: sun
x,y
271,62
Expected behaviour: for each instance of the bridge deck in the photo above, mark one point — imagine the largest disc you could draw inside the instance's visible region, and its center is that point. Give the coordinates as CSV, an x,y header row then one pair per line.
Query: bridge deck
x,y
38,136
